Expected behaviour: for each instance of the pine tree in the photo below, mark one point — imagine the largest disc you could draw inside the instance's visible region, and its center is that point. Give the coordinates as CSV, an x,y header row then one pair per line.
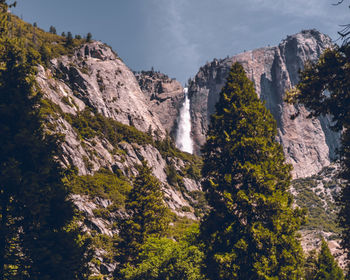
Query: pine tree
x,y
69,40
327,266
310,265
331,74
148,216
250,232
37,239
88,37
52,30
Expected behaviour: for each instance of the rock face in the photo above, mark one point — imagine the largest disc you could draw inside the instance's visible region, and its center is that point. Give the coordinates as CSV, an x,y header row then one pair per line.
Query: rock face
x,y
95,81
96,78
165,97
309,145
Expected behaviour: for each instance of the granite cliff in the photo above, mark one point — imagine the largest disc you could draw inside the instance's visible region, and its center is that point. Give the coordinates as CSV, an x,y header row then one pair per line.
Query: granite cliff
x,y
309,145
164,97
109,125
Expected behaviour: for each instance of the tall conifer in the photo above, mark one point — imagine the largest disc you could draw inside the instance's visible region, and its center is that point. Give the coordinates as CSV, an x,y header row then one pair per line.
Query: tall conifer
x,y
35,213
327,266
250,232
149,216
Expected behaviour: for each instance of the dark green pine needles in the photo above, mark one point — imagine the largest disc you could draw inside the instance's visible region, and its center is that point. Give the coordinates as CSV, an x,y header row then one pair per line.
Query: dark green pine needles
x,y
38,239
327,266
148,216
330,75
250,232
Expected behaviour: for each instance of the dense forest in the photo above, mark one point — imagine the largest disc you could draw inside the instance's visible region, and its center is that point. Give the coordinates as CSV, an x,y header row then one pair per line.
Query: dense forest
x,y
247,221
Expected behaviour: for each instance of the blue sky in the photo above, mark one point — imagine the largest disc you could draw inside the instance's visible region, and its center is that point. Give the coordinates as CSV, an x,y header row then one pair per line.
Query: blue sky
x,y
178,36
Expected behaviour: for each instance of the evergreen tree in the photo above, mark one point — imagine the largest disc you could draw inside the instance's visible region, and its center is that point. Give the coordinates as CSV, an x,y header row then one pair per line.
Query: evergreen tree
x,y
310,265
37,239
88,37
45,54
324,89
148,216
250,232
164,258
52,30
69,40
327,266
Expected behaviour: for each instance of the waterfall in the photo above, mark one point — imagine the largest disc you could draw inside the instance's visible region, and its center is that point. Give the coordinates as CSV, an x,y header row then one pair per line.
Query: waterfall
x,y
183,134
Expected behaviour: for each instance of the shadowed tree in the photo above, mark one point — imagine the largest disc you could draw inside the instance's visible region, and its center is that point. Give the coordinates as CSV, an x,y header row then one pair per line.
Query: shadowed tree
x,y
37,238
324,89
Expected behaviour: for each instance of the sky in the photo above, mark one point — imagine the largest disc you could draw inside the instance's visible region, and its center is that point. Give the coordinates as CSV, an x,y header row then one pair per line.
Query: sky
x,y
176,37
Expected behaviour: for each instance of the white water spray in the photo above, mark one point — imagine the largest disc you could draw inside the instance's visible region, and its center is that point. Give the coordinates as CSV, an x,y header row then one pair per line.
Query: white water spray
x,y
183,134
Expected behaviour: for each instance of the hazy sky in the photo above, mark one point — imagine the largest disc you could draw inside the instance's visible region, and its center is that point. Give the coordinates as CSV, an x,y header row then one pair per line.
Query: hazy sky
x,y
178,36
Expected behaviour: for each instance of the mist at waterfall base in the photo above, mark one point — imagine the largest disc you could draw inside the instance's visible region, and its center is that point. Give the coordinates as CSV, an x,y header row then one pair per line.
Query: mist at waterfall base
x,y
183,134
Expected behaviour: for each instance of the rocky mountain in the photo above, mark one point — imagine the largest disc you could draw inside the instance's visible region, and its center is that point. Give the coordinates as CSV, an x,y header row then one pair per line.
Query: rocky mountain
x,y
164,96
309,144
111,119
109,125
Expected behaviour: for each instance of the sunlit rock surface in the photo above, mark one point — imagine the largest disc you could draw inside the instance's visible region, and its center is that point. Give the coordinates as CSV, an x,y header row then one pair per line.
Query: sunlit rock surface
x,y
309,144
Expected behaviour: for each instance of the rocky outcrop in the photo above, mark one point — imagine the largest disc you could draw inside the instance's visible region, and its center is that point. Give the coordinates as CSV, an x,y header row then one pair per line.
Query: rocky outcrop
x,y
309,144
96,77
165,97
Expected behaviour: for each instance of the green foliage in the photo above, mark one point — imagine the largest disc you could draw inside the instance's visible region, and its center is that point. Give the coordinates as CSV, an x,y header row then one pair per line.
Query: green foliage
x,y
38,237
69,40
103,183
90,124
327,266
163,258
250,232
88,37
167,148
320,216
310,265
148,216
48,44
52,30
173,177
179,226
324,90
193,169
